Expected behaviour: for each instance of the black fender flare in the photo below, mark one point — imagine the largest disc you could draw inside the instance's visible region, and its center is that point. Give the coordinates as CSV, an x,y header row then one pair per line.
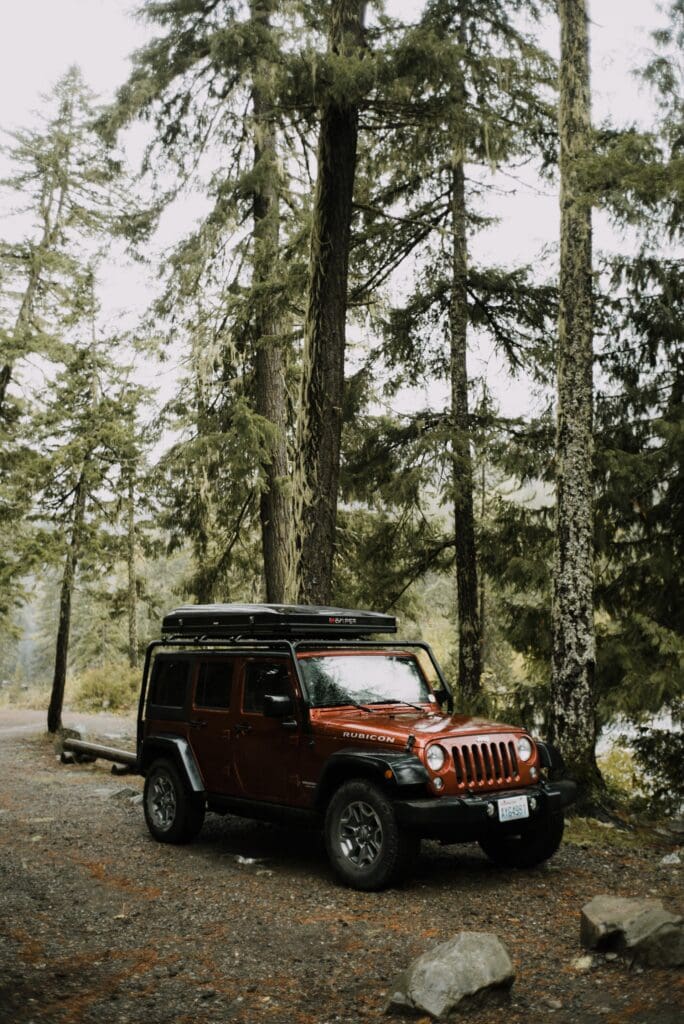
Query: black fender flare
x,y
178,750
396,768
551,759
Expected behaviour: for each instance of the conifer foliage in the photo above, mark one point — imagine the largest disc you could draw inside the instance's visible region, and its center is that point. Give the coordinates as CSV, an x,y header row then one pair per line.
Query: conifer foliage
x,y
63,176
331,435
470,92
210,86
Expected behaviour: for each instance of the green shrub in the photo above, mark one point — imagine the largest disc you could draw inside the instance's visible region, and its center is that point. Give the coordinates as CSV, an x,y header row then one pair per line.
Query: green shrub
x,y
620,774
114,687
659,753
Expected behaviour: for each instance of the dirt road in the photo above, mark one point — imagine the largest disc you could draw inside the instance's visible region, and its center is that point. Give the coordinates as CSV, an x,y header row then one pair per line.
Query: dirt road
x,y
100,924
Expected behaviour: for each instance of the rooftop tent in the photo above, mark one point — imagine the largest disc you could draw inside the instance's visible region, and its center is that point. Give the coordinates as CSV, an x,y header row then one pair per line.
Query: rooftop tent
x,y
274,621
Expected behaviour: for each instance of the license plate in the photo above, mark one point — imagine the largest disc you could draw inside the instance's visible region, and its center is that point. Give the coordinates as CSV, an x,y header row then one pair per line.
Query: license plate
x,y
512,807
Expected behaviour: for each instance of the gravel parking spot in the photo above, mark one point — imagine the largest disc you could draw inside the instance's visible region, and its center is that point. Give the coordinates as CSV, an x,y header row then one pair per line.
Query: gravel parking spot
x,y
99,923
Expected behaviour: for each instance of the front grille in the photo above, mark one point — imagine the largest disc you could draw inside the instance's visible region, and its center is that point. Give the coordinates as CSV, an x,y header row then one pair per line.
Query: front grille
x,y
485,764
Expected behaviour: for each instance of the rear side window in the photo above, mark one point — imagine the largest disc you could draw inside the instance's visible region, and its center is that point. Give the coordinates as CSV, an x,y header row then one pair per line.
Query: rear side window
x,y
214,682
170,684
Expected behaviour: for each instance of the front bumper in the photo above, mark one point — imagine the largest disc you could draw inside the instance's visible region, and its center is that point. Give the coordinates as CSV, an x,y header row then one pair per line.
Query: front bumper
x,y
467,817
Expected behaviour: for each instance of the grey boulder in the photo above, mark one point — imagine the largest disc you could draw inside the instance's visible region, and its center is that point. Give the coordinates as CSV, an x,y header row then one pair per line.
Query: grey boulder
x,y
471,965
641,929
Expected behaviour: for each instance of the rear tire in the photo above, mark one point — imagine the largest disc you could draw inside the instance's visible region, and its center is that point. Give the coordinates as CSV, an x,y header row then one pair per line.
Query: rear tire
x,y
174,814
536,843
366,847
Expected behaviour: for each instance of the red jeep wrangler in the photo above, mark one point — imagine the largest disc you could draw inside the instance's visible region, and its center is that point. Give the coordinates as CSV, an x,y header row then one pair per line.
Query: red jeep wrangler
x,y
290,713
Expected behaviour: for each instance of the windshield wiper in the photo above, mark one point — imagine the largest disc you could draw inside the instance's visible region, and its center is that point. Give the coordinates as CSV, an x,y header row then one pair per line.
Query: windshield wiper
x,y
362,706
343,703
396,700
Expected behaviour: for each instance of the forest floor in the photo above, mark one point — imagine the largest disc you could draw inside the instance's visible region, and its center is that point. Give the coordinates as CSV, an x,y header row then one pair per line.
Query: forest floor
x,y
100,924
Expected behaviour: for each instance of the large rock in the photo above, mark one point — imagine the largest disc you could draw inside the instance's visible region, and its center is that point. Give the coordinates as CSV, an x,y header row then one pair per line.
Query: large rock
x,y
641,929
473,964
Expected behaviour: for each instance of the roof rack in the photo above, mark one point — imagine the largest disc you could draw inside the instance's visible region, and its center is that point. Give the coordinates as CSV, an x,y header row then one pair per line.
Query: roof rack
x,y
272,621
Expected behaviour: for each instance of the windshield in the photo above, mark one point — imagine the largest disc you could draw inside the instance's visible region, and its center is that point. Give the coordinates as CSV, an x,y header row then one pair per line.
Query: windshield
x,y
363,679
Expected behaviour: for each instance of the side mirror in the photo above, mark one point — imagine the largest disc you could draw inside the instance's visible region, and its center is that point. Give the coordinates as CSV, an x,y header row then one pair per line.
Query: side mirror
x,y
278,705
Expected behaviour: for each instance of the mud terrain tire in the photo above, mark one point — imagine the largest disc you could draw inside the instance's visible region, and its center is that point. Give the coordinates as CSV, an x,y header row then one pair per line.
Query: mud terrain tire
x,y
536,843
174,814
366,847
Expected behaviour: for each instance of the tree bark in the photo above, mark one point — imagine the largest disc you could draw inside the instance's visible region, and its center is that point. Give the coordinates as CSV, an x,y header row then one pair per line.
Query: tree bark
x,y
572,712
271,396
132,600
54,719
319,424
469,651
469,654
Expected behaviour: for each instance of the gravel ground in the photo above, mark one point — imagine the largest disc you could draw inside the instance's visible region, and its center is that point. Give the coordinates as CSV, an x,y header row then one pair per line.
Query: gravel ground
x,y
100,924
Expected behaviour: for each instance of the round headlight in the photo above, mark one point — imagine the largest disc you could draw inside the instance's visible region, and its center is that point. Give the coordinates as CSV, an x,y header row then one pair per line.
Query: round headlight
x,y
436,756
524,749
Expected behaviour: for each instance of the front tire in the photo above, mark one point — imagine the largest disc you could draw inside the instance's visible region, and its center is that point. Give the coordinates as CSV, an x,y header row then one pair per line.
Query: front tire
x,y
174,814
536,843
366,847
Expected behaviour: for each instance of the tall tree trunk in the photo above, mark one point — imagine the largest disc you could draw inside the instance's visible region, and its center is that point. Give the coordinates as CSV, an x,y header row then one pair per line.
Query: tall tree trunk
x,y
5,378
572,714
54,720
206,582
319,425
271,396
469,652
481,576
132,600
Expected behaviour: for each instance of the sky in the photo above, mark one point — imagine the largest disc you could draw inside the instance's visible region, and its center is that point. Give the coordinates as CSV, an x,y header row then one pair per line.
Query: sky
x,y
39,39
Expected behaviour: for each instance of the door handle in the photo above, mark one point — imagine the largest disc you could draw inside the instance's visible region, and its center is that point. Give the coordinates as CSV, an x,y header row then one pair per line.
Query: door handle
x,y
242,727
197,725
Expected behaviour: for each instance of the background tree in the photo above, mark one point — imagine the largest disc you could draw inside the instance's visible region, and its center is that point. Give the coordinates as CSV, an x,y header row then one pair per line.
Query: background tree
x,y
275,507
319,425
63,191
63,178
572,717
210,85
639,179
131,448
469,91
80,444
636,177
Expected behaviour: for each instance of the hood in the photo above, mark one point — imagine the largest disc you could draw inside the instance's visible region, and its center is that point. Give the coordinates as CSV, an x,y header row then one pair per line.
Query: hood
x,y
394,725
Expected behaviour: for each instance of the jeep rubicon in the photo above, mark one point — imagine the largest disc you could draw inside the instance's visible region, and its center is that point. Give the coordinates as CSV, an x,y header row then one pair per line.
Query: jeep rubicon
x,y
289,713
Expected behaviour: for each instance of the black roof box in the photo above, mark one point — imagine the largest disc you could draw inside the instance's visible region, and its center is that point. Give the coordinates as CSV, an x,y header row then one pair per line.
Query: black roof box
x,y
275,621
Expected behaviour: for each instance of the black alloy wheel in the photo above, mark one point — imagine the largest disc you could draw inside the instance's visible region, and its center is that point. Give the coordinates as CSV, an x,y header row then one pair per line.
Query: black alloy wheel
x,y
366,847
174,814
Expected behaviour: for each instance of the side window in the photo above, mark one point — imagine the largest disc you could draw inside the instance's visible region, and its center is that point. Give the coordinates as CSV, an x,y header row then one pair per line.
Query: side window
x,y
262,677
214,682
169,688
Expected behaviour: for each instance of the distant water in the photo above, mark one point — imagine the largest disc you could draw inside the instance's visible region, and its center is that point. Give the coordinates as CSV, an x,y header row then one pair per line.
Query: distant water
x,y
610,735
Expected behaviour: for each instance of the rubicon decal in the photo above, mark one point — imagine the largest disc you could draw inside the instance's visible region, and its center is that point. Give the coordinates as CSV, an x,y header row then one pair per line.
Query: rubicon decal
x,y
367,736
342,620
